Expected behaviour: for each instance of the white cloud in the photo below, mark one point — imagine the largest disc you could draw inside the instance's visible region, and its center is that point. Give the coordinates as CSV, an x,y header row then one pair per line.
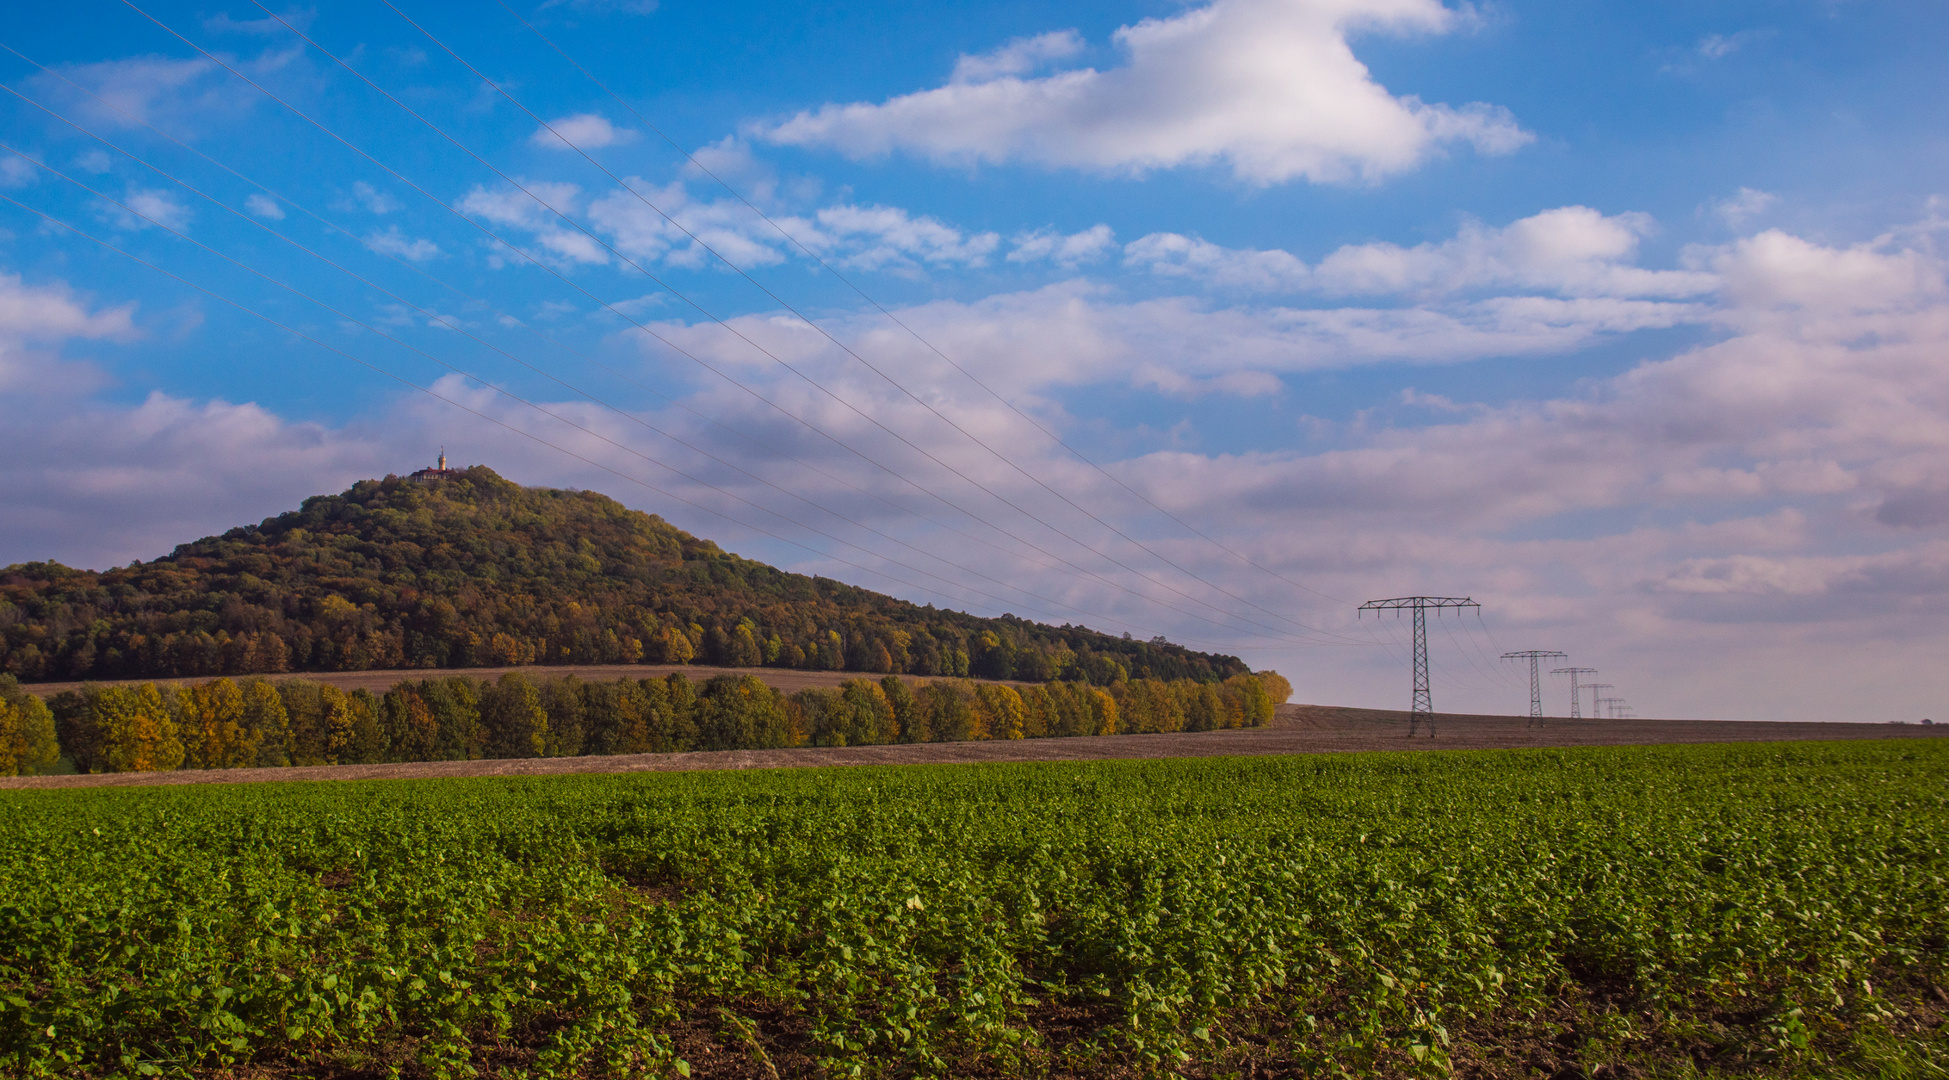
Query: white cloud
x,y
1776,269
1019,57
94,161
1068,252
371,199
587,131
184,97
33,315
394,242
264,206
96,485
875,237
1268,88
1172,255
1743,207
146,207
506,208
1572,250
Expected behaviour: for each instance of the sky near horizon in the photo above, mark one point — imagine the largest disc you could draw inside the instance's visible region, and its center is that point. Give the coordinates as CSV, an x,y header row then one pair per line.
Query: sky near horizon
x,y
1208,320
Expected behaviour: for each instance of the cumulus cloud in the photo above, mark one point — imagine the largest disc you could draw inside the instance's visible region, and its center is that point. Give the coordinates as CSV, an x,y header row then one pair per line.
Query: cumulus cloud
x,y
40,315
586,131
508,209
1173,255
1269,89
1570,251
1710,520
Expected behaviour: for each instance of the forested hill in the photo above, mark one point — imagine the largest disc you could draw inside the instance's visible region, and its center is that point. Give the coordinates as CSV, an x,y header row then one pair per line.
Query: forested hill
x,y
474,570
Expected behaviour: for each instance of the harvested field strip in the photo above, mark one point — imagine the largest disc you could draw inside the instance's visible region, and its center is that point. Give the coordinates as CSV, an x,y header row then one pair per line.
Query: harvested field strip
x,y
1765,909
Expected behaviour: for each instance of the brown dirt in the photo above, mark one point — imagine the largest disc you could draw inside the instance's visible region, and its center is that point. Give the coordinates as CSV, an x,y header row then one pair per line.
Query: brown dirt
x,y
1299,729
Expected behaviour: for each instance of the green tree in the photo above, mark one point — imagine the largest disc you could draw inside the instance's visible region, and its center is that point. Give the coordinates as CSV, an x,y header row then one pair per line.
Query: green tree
x,y
515,723
909,721
265,718
739,712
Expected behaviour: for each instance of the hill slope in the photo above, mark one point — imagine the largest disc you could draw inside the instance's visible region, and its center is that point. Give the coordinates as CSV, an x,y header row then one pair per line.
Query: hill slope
x,y
475,570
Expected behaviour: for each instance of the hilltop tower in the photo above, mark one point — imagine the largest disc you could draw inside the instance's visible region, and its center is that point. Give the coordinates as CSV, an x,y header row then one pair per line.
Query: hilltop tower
x,y
438,472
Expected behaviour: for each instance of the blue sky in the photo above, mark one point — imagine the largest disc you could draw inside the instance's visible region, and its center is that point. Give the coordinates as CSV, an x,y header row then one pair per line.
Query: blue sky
x,y
1625,320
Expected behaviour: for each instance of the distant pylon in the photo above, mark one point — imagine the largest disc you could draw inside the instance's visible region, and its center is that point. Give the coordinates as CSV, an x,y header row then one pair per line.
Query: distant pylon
x,y
1596,697
1424,702
1576,700
1612,705
1535,676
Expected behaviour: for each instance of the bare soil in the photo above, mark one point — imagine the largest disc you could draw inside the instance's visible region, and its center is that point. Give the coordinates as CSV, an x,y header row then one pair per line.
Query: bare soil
x,y
1298,729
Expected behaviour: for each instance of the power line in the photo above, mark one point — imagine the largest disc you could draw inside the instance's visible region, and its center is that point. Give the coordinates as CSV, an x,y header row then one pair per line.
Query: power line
x,y
802,317
680,351
440,397
1596,697
502,391
620,412
329,224
929,455
897,321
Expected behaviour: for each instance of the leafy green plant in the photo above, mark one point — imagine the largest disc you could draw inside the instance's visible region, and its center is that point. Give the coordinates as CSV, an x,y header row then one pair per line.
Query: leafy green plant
x,y
1757,909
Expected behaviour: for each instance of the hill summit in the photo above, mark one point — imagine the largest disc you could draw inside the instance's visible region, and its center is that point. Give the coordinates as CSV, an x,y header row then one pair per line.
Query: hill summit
x,y
469,569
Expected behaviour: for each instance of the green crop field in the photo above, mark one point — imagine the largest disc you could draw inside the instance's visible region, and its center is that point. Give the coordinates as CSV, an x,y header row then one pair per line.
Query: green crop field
x,y
1753,910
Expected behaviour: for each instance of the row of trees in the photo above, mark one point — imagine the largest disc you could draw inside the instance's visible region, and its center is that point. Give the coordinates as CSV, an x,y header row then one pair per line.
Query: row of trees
x,y
474,571
224,724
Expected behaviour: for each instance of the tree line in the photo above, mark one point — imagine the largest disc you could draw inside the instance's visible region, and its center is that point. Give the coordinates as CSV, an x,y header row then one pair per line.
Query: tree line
x,y
227,723
475,571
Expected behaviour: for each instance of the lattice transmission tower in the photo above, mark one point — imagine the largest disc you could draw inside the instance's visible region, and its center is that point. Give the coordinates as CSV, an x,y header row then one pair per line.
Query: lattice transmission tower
x,y
1597,697
1535,676
1612,705
1576,699
1424,702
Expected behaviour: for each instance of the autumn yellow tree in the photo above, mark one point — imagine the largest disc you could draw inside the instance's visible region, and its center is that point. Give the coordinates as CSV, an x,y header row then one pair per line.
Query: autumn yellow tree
x,y
1002,712
27,743
215,732
134,730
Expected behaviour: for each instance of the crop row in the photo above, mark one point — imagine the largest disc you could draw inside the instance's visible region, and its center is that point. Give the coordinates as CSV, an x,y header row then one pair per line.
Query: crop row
x,y
1770,908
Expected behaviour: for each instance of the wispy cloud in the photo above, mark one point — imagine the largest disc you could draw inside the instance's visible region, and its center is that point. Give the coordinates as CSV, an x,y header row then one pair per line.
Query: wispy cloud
x,y
394,242
586,131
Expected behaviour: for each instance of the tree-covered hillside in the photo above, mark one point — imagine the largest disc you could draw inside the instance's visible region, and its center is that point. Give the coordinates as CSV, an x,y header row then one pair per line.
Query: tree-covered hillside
x,y
474,570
